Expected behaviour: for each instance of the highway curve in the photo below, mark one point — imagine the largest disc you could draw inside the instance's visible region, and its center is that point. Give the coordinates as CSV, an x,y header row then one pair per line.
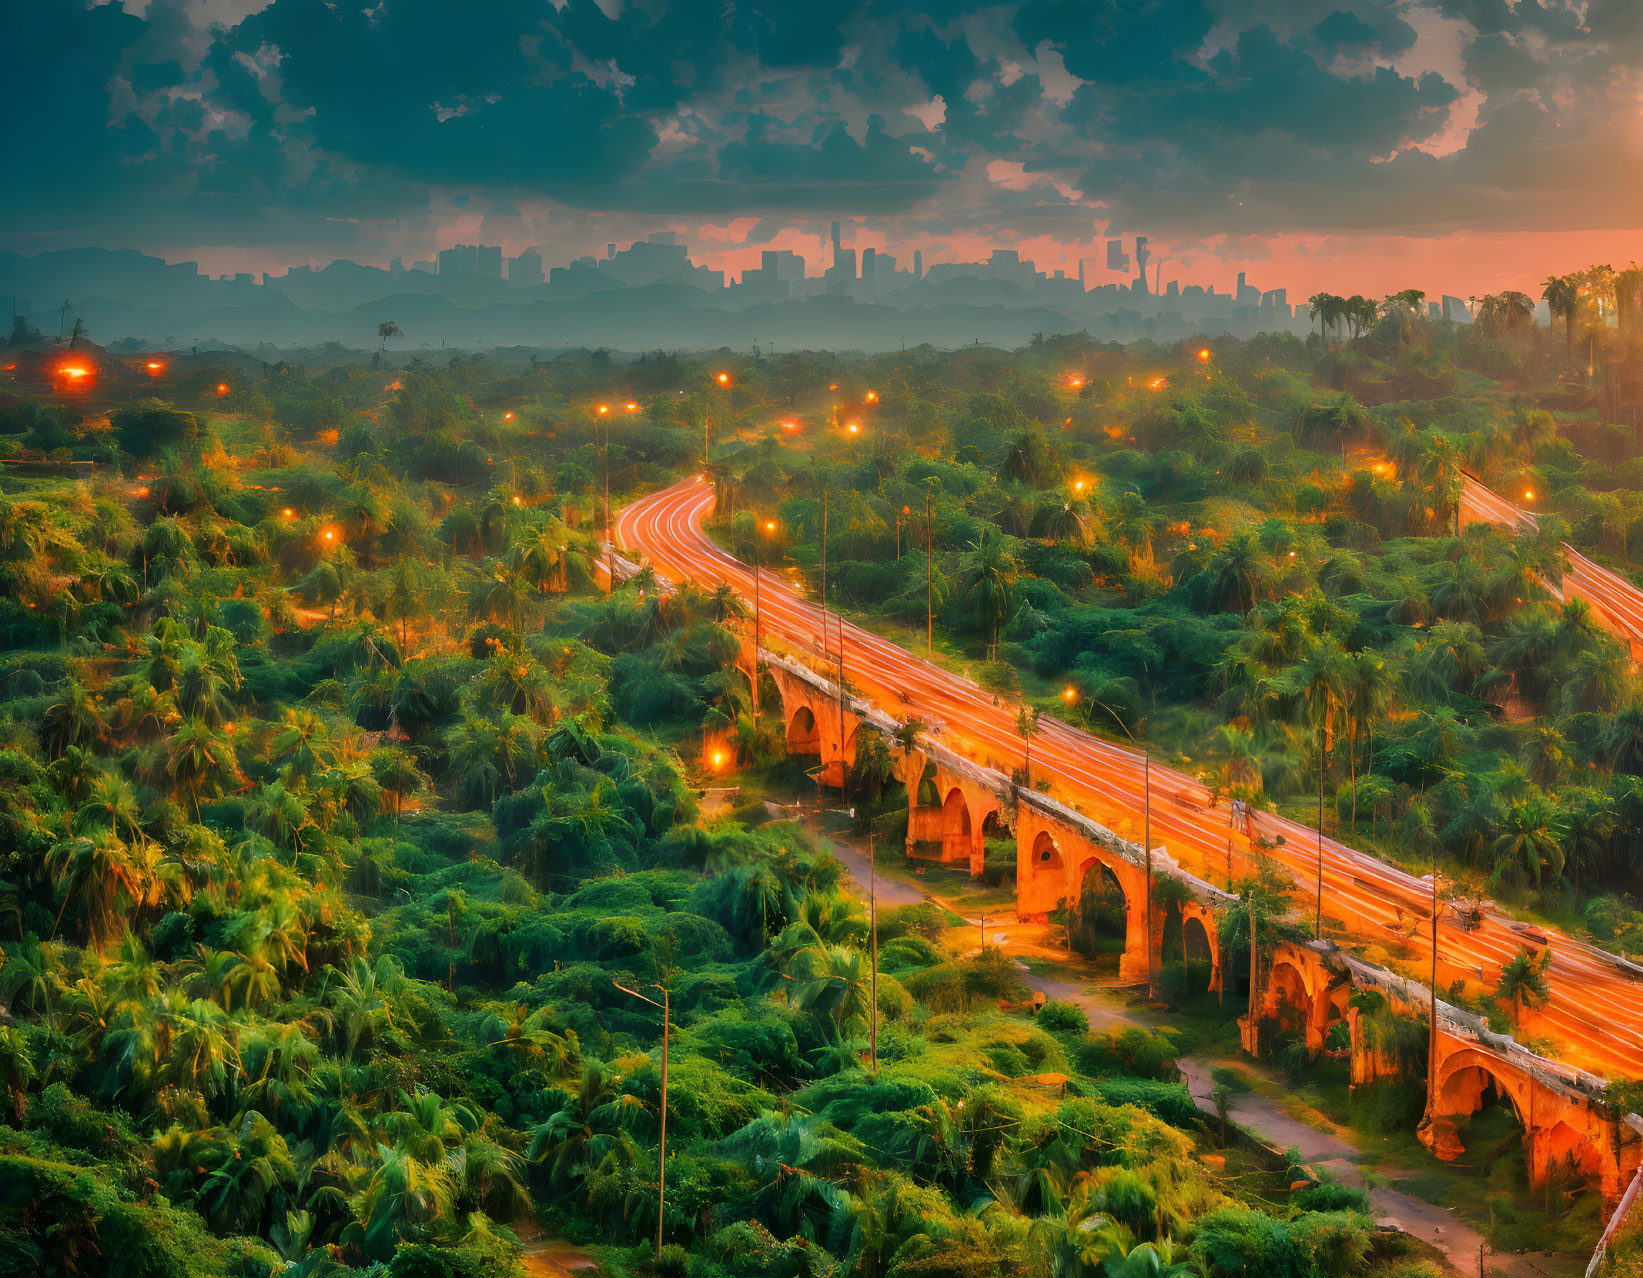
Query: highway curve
x,y
1620,602
1596,1010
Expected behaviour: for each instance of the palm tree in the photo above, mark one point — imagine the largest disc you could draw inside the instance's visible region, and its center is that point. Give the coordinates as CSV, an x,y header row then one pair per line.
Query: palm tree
x,y
988,586
1440,467
1523,981
303,744
198,760
73,719
1026,724
1528,845
1370,687
1238,570
1561,293
388,329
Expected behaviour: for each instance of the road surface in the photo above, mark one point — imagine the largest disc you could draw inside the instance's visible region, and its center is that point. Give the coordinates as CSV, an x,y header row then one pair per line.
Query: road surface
x,y
1596,1011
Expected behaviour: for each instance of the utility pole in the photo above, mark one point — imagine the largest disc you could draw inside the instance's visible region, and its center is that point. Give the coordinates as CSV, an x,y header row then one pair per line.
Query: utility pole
x,y
1146,827
1432,1011
824,577
844,768
756,578
873,924
661,1144
929,580
1254,982
1318,925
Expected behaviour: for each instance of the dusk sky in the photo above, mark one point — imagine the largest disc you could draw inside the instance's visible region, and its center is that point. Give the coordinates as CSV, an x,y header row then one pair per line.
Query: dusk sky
x,y
1453,145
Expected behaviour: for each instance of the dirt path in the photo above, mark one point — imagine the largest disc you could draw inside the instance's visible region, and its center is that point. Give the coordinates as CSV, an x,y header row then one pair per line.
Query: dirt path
x,y
1262,1116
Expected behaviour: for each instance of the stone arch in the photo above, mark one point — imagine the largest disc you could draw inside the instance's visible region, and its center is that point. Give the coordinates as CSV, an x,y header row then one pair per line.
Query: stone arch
x,y
956,834
803,732
1564,1147
1195,942
1287,998
1047,856
1467,1079
992,827
1101,908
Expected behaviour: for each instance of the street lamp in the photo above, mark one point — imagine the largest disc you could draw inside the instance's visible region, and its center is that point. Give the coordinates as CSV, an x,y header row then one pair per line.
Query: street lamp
x,y
723,379
661,1144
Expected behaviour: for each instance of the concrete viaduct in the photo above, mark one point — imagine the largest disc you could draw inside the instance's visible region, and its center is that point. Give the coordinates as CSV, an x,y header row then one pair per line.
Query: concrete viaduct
x,y
954,804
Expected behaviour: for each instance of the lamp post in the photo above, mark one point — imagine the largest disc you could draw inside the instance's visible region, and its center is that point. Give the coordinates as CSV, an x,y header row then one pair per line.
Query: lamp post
x,y
758,559
722,379
661,1144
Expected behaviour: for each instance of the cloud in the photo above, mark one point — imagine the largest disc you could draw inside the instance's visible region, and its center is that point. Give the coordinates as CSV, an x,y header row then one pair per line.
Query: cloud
x,y
331,127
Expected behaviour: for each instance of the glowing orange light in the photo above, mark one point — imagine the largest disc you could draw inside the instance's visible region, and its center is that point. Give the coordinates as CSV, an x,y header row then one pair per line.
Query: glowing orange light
x,y
1069,694
907,510
288,512
155,368
1292,554
73,370
872,397
854,428
140,492
603,409
229,727
724,379
718,758
790,425
834,386
1158,383
1076,383
516,501
222,388
632,407
330,536
1529,495
507,417
1079,486
1204,355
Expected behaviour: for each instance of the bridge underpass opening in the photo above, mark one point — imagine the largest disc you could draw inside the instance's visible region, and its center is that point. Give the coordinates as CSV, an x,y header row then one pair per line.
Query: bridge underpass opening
x,y
1186,959
1100,929
998,844
803,734
955,827
1487,1124
1287,1007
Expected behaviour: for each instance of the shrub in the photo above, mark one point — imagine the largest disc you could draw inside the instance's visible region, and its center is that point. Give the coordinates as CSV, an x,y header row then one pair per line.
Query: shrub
x,y
1060,1017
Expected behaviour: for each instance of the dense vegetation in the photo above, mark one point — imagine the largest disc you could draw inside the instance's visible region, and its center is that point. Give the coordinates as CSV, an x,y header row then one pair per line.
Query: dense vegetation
x,y
337,799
